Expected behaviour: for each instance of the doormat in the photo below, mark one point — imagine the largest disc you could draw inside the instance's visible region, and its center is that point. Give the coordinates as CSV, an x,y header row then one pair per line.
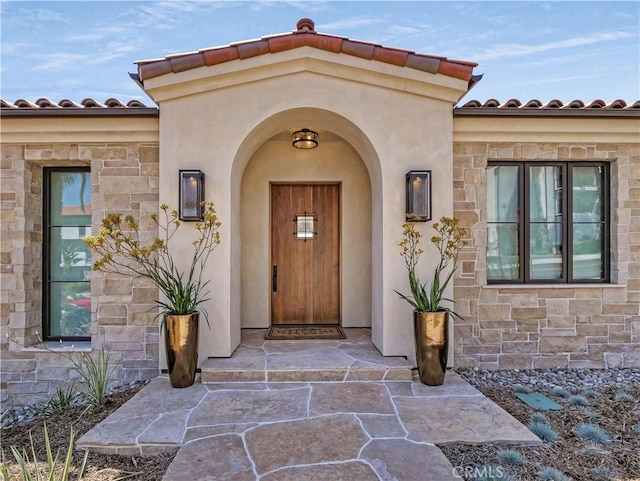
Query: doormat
x,y
297,332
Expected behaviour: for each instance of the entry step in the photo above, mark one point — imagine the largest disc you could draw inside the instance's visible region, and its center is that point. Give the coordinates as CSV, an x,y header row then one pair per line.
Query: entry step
x,y
351,359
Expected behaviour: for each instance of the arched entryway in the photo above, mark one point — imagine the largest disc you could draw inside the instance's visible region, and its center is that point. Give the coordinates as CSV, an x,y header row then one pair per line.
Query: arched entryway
x,y
345,158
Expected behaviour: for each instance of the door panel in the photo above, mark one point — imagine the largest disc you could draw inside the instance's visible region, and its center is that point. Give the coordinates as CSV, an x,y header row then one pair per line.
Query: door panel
x,y
306,289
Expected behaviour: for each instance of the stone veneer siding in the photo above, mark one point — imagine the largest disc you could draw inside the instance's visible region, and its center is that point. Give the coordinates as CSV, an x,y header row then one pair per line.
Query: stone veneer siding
x,y
533,326
124,178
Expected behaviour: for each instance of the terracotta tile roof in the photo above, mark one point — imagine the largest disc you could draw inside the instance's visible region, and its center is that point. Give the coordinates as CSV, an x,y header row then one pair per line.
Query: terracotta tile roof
x,y
45,107
596,108
68,108
69,104
305,35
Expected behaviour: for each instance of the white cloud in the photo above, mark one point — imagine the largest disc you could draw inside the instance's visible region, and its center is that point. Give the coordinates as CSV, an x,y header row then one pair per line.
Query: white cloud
x,y
12,48
552,80
75,61
96,34
42,15
165,14
348,23
404,31
60,61
517,50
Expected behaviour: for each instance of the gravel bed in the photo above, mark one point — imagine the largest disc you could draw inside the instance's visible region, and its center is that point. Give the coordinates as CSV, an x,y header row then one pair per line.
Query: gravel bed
x,y
606,400
547,379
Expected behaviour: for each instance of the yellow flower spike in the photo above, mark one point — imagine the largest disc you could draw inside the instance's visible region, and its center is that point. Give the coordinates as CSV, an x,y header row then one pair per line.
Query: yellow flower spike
x,y
118,249
448,241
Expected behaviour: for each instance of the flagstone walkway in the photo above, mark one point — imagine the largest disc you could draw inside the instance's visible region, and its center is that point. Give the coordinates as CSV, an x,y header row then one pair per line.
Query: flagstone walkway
x,y
307,430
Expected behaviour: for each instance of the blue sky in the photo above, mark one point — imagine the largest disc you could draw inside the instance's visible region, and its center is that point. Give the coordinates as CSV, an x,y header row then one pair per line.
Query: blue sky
x,y
545,50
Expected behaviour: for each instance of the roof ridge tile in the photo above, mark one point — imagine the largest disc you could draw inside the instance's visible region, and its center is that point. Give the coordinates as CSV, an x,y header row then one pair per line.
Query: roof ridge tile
x,y
245,49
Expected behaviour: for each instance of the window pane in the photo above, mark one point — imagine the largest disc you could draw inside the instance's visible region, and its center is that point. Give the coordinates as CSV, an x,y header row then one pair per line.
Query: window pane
x,y
545,244
587,193
502,193
545,193
503,257
587,251
70,198
69,256
67,220
70,309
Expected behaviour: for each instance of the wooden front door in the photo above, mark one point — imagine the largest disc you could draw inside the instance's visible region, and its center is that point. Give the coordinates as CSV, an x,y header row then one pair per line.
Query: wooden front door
x,y
305,254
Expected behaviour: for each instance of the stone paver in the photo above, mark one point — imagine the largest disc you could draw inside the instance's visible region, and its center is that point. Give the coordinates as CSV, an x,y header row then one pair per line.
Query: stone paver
x,y
368,353
220,407
308,441
160,388
271,427
312,359
167,429
454,385
350,397
382,426
315,375
348,471
280,347
221,458
469,420
112,434
395,459
201,432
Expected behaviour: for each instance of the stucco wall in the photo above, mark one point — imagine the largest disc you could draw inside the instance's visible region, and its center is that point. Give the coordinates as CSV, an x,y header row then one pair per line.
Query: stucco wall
x,y
216,118
333,161
124,179
538,326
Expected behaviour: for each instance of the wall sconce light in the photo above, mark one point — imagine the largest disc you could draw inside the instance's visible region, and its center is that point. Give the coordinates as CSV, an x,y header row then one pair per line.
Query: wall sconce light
x,y
305,139
418,196
191,194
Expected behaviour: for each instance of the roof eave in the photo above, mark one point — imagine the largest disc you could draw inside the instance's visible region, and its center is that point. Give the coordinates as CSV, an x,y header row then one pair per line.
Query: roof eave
x,y
23,112
564,113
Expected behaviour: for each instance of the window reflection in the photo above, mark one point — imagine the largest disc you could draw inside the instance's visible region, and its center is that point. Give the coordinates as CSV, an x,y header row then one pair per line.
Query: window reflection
x,y
68,309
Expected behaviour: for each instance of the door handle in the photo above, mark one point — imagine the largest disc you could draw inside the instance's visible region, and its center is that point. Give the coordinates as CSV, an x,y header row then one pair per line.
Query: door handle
x,y
274,278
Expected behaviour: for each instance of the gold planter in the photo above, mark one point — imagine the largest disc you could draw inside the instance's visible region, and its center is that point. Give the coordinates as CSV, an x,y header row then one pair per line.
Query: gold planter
x,y
181,344
430,334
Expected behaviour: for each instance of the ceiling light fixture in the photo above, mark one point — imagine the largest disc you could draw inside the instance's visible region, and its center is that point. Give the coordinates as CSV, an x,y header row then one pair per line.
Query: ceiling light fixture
x,y
305,139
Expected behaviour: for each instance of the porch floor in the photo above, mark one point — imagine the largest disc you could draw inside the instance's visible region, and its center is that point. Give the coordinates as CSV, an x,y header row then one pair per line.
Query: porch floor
x,y
316,410
352,359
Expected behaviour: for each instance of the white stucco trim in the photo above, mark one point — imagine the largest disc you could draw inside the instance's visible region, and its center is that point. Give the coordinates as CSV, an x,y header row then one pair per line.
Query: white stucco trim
x,y
574,130
57,130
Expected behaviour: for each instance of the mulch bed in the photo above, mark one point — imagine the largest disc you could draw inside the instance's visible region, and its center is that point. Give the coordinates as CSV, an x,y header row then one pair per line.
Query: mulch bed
x,y
569,454
100,467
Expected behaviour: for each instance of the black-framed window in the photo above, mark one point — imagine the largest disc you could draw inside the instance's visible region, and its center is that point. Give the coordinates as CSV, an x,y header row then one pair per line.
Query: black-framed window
x,y
547,222
66,307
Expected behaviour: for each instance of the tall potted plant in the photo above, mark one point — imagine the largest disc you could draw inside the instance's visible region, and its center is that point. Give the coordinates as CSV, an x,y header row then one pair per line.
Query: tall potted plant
x,y
431,314
119,250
